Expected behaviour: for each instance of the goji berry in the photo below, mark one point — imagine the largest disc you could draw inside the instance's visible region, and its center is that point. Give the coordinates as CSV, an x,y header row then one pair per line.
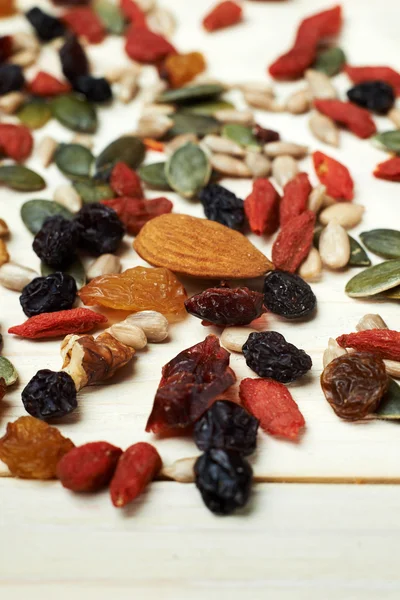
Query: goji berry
x,y
385,343
262,207
294,241
223,15
55,324
136,212
6,47
145,46
45,84
389,169
137,466
125,182
387,74
88,468
272,404
356,119
335,176
295,198
16,141
153,145
84,22
133,13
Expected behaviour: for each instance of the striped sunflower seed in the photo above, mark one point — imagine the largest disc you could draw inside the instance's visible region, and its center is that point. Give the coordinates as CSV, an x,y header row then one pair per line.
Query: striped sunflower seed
x,y
222,145
320,85
334,246
324,129
284,168
316,198
259,164
371,321
299,102
228,165
274,149
311,267
231,115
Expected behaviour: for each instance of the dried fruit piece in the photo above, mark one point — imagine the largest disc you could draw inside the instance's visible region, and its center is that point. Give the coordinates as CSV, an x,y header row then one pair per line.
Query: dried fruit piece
x,y
287,295
133,13
389,169
182,68
137,466
11,79
95,89
222,206
226,306
295,198
84,22
356,119
88,468
224,14
375,280
46,26
376,96
385,343
125,181
354,384
56,242
145,46
134,213
55,324
387,74
294,241
44,84
16,141
49,395
32,449
262,207
73,59
335,176
52,293
100,231
272,403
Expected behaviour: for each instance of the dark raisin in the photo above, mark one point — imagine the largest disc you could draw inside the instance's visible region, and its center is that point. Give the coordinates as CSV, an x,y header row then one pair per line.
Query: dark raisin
x,y
46,26
268,354
224,479
56,242
100,230
288,295
73,58
226,306
52,293
228,426
222,206
11,79
377,96
6,47
265,135
71,2
50,394
95,89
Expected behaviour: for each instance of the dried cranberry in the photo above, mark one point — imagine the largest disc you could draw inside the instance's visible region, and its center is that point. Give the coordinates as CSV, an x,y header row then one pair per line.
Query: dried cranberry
x,y
11,79
265,135
73,58
6,47
288,295
226,306
95,89
46,26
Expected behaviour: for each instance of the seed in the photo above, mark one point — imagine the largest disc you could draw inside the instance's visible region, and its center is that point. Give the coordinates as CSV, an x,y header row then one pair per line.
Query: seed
x,y
262,101
179,141
83,140
316,198
4,256
153,323
46,149
24,58
128,87
4,231
153,91
106,264
129,334
115,74
158,109
181,470
234,338
299,102
274,149
284,168
371,321
153,126
215,143
146,5
346,214
334,246
240,117
11,102
333,351
394,116
259,165
311,267
375,280
392,368
324,129
16,277
328,201
320,85
255,87
67,196
25,41
162,21
227,165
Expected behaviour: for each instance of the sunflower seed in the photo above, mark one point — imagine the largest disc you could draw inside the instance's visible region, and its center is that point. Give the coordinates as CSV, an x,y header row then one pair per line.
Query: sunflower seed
x,y
334,246
259,164
371,321
115,74
239,117
311,267
153,126
215,143
162,21
274,149
46,149
83,140
67,196
179,141
316,198
392,368
346,214
24,58
128,87
394,116
255,87
263,101
227,165
11,102
333,351
320,85
25,41
324,129
15,277
158,109
106,264
284,168
181,470
299,102
233,338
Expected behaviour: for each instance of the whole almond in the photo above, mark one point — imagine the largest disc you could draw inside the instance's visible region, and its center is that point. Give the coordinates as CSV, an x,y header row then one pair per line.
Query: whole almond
x,y
234,338
346,214
311,268
299,102
274,149
324,129
228,165
284,168
200,248
334,246
320,85
371,321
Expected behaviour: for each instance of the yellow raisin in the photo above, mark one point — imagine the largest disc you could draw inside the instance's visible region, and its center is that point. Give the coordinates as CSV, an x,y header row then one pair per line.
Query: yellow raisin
x,y
182,68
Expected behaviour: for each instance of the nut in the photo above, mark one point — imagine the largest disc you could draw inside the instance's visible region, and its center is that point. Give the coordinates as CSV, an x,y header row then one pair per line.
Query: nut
x,y
227,165
11,102
284,168
334,246
371,321
333,351
153,323
67,196
46,150
15,277
181,470
299,102
346,214
259,165
394,116
215,143
262,101
106,264
4,231
316,198
4,256
179,141
153,126
231,115
274,149
324,129
320,85
234,338
129,334
311,267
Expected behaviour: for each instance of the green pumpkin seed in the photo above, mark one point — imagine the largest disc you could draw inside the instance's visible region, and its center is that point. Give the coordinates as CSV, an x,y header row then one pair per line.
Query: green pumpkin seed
x,y
76,270
90,191
75,112
330,61
207,108
35,212
21,179
375,280
358,256
127,149
200,125
393,294
188,170
192,93
35,114
389,140
74,160
383,242
7,371
240,134
154,176
111,16
389,408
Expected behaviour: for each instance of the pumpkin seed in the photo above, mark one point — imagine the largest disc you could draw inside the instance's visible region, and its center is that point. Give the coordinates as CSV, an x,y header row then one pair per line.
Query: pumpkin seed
x,y
383,242
75,112
330,61
188,170
358,256
388,140
393,294
91,191
110,15
389,408
35,114
74,160
7,371
35,212
127,149
240,134
191,93
21,179
208,108
375,280
199,125
154,176
76,270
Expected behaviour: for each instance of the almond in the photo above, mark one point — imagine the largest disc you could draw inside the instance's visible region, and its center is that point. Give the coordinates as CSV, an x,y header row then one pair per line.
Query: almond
x,y
200,248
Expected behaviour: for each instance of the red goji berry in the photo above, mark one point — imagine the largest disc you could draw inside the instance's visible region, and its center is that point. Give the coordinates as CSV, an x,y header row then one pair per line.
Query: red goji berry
x,y
45,84
16,141
386,74
144,46
356,119
88,468
136,212
389,169
138,465
272,404
294,241
133,13
6,47
385,343
153,145
295,198
125,182
55,324
335,176
223,15
262,207
84,22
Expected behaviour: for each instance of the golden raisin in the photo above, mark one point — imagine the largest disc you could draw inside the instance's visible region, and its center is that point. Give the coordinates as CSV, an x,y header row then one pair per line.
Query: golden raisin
x,y
7,8
31,448
182,68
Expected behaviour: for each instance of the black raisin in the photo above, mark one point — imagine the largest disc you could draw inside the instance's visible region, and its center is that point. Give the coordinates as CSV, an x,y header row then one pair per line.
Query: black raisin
x,y
265,135
100,230
224,479
377,96
95,89
73,58
56,242
52,293
46,26
11,79
49,395
228,426
222,206
226,306
6,47
268,354
288,295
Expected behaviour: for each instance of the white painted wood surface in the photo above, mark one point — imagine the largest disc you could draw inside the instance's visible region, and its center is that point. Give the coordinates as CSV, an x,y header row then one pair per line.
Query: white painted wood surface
x,y
295,541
